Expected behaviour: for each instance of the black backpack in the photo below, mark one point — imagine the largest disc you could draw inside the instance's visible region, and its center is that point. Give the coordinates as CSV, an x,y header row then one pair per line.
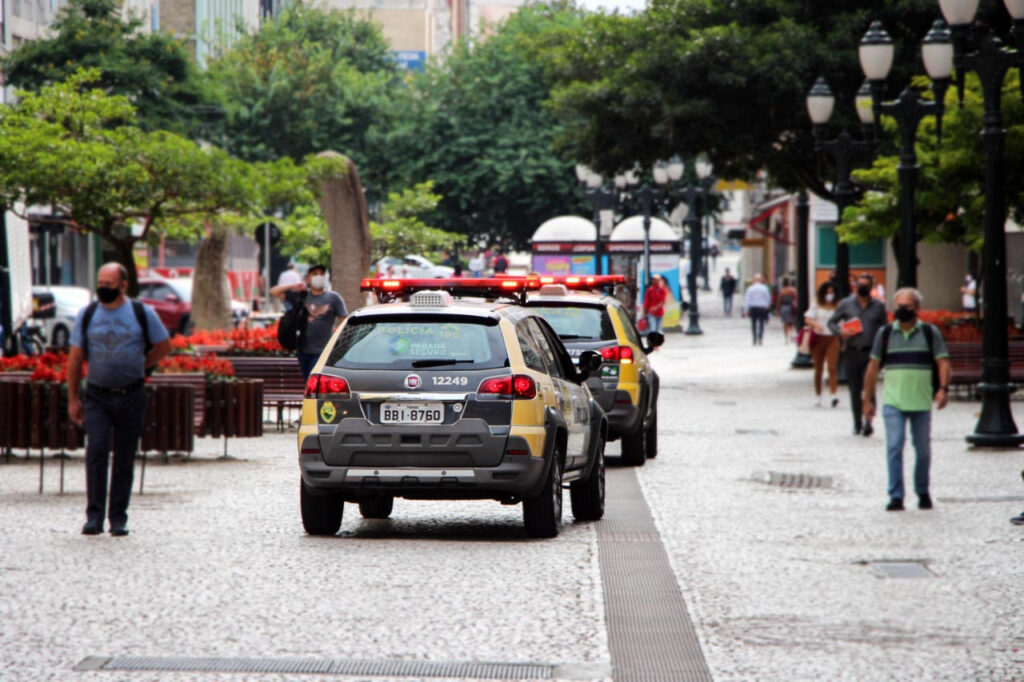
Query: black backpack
x,y
929,337
292,327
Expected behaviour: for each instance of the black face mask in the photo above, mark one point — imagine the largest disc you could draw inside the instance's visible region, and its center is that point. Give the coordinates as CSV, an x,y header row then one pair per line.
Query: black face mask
x,y
904,314
107,294
864,290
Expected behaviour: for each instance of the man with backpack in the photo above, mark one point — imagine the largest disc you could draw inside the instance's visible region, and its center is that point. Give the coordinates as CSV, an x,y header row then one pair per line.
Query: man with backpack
x,y
917,374
121,339
315,314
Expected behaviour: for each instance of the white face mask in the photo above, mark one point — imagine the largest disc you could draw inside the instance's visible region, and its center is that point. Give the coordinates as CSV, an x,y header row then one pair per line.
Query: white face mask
x,y
830,297
318,281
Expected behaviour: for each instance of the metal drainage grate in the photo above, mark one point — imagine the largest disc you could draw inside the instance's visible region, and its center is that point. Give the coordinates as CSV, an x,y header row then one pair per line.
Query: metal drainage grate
x,y
757,432
785,480
900,569
380,668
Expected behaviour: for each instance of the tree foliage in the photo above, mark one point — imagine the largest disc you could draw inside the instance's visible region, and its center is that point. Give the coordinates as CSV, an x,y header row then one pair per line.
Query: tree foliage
x,y
308,80
476,124
722,77
79,150
950,199
153,70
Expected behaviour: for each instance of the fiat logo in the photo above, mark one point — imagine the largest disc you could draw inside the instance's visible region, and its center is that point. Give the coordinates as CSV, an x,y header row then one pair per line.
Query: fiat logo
x,y
413,381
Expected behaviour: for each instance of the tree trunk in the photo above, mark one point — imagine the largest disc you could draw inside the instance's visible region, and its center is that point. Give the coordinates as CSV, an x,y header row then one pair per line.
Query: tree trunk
x,y
344,207
126,256
211,299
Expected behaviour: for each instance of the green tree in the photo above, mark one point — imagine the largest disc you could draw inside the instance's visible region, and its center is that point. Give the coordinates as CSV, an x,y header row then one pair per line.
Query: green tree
x,y
154,70
476,124
950,199
722,77
308,80
401,229
75,148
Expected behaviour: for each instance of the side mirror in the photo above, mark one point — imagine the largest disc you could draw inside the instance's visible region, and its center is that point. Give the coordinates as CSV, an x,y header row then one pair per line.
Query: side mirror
x,y
654,339
590,362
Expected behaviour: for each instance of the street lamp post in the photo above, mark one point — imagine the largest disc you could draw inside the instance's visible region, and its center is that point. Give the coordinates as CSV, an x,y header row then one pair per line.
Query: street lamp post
x,y
601,199
803,291
844,151
990,60
695,197
876,54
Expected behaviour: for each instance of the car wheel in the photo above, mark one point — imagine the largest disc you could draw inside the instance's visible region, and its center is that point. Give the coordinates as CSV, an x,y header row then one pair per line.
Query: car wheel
x,y
321,514
542,514
377,507
652,436
634,447
60,336
587,496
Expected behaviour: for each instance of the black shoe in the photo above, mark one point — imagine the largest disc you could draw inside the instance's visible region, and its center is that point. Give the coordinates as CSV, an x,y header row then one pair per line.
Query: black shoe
x,y
92,528
1018,520
895,504
868,430
119,530
835,402
856,430
924,501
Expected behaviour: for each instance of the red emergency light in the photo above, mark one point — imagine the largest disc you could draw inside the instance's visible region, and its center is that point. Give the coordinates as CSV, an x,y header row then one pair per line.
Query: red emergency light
x,y
485,287
583,281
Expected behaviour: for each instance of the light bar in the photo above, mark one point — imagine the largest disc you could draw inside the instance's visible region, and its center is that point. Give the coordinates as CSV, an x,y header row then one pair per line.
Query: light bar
x,y
484,287
583,281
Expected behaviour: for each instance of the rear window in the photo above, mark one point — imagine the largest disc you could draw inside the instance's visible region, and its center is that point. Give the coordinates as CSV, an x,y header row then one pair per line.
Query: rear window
x,y
577,322
403,343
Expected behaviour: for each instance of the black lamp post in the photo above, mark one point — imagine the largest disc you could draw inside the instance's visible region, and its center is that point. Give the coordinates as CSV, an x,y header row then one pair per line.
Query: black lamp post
x,y
844,151
803,286
990,60
602,200
695,197
876,54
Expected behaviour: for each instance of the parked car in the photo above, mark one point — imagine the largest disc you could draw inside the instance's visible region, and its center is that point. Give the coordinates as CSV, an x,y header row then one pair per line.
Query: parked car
x,y
171,299
412,267
68,301
440,398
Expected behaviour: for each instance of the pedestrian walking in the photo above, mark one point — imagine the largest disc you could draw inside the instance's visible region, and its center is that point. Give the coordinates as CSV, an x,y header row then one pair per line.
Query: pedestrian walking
x,y
654,303
500,264
757,301
820,343
917,374
120,338
969,294
727,287
856,320
477,264
324,312
786,309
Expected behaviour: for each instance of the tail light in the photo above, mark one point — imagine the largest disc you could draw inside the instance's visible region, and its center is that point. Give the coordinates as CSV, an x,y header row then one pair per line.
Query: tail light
x,y
621,354
519,387
324,386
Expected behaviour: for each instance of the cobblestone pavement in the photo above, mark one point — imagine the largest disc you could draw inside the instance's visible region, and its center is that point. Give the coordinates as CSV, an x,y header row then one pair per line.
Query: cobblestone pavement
x,y
777,579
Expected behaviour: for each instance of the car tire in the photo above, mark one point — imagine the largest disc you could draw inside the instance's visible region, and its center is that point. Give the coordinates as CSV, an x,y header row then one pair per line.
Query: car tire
x,y
377,507
652,436
542,515
60,336
634,447
321,514
587,496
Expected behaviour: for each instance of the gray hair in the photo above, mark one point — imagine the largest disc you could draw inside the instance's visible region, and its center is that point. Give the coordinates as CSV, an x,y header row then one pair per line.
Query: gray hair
x,y
918,298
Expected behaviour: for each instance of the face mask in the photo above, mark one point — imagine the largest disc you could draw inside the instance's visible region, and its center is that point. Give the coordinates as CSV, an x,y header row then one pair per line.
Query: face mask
x,y
107,294
830,297
904,314
318,281
864,290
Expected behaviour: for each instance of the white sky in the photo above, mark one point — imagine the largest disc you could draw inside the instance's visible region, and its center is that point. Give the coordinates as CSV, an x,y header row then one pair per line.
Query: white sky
x,y
624,6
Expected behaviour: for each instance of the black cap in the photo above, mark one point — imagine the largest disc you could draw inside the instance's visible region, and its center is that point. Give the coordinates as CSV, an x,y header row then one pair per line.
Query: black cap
x,y
317,266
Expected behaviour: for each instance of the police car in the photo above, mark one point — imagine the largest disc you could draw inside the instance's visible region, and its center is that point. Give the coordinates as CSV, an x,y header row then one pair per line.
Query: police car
x,y
430,396
626,386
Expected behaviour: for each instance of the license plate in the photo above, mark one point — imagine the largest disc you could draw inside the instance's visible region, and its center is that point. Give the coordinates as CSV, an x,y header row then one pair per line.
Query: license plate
x,y
412,413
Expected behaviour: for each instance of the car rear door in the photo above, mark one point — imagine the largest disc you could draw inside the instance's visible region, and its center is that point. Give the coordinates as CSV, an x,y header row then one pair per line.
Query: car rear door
x,y
573,404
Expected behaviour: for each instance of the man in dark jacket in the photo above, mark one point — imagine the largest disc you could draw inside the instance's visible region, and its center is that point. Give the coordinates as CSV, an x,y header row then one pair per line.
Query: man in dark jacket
x,y
858,306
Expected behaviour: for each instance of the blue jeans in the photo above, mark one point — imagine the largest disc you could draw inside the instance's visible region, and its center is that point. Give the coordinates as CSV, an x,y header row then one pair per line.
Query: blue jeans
x,y
757,318
654,323
307,362
727,304
895,437
124,415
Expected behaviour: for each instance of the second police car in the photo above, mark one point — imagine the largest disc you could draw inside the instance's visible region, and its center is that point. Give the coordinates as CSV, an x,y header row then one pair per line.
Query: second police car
x,y
586,319
434,397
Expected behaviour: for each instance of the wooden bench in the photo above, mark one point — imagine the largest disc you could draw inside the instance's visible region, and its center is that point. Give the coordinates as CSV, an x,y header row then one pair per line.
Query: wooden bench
x,y
966,361
283,385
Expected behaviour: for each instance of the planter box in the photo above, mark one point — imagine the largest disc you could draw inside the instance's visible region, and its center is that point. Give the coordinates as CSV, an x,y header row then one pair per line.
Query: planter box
x,y
234,409
35,415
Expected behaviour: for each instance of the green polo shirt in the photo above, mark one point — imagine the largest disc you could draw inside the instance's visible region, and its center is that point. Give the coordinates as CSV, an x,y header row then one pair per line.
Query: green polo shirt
x,y
908,366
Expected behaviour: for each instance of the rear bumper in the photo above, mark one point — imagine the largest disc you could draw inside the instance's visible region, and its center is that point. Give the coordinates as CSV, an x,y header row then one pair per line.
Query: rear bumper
x,y
465,460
